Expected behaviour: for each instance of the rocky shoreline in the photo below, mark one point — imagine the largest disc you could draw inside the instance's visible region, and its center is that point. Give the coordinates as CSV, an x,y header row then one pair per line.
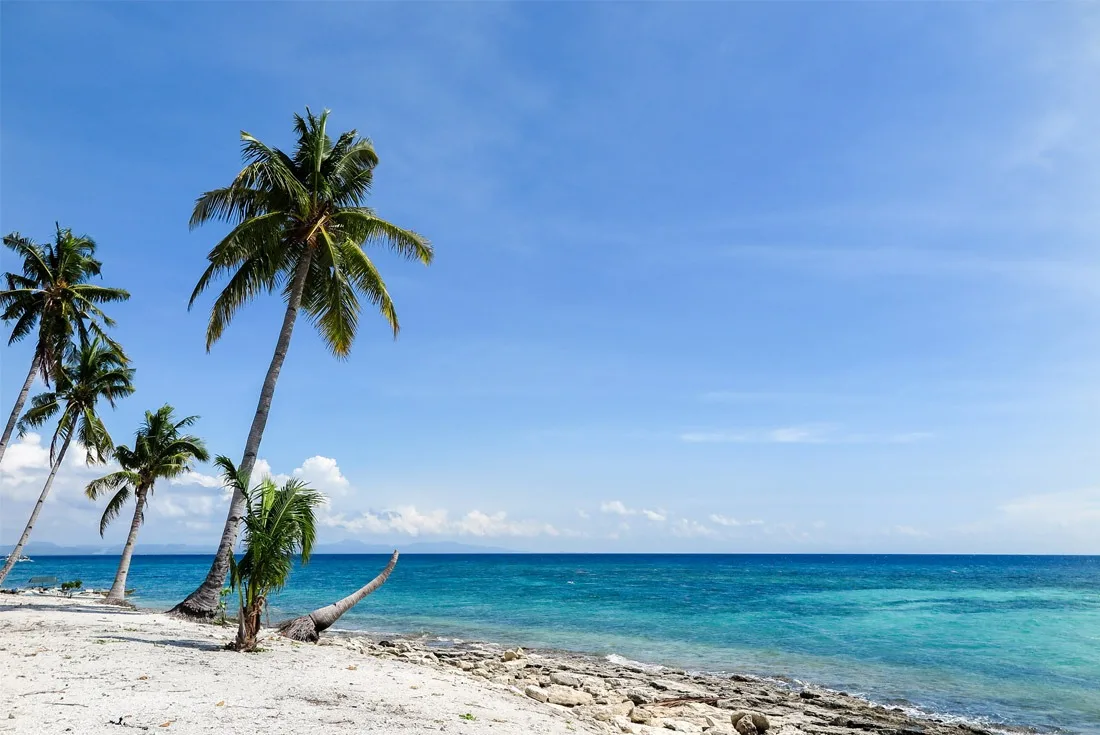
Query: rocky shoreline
x,y
621,697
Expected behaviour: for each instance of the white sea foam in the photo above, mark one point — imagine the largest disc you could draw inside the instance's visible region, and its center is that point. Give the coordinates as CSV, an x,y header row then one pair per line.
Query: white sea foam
x,y
623,661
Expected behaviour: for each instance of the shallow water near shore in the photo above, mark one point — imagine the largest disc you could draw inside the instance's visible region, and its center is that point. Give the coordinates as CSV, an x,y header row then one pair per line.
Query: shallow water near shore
x,y
1007,640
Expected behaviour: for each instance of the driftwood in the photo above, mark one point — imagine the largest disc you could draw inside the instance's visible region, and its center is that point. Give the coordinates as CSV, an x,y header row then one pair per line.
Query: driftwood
x,y
308,628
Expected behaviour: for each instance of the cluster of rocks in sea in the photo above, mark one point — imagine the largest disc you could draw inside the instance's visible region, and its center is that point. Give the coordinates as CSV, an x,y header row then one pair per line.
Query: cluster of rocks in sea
x,y
618,697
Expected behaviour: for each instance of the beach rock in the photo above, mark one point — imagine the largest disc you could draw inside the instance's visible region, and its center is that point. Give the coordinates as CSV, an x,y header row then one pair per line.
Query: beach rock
x,y
567,696
641,716
566,680
744,725
759,721
640,696
806,694
465,665
513,655
681,726
537,694
623,724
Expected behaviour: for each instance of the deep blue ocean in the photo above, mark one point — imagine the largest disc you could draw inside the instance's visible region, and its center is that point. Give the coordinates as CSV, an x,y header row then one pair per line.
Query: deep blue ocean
x,y
1006,640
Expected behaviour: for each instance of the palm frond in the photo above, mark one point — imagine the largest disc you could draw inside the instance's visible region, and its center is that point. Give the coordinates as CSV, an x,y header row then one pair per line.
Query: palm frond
x,y
114,505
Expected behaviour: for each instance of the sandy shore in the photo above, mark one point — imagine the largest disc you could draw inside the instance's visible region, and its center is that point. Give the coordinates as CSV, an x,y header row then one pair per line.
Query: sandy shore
x,y
77,666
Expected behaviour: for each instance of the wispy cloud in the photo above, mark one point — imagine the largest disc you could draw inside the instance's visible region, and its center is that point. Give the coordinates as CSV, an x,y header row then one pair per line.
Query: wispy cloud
x,y
806,434
687,528
409,521
731,522
617,507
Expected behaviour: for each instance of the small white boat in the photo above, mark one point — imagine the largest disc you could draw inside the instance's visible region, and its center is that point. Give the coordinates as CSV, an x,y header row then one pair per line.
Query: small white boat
x,y
21,558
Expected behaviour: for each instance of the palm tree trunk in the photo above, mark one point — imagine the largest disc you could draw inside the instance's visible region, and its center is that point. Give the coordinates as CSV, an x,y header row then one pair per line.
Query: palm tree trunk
x,y
117,595
308,628
203,602
14,557
248,625
18,407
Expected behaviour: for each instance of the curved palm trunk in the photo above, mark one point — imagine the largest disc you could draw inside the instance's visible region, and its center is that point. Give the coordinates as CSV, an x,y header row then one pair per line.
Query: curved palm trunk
x,y
117,595
14,557
203,602
308,628
18,407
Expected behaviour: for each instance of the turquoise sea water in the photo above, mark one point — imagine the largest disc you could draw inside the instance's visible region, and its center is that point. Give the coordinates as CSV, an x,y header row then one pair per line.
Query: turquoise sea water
x,y
1007,640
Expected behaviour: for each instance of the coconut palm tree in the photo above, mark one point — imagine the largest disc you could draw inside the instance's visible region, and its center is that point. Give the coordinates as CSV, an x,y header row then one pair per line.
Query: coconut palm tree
x,y
53,298
308,628
300,226
160,452
92,371
278,523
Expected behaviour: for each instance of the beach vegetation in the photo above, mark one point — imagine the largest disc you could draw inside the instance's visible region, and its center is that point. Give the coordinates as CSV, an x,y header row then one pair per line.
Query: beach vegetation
x,y
52,299
279,522
299,225
93,371
161,451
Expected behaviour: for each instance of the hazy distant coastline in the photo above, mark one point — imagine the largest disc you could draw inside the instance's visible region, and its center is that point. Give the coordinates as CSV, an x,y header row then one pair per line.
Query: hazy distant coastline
x,y
45,548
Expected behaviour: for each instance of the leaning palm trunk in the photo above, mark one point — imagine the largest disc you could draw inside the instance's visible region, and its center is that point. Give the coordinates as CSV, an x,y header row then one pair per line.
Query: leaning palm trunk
x,y
203,602
18,407
18,550
308,628
117,595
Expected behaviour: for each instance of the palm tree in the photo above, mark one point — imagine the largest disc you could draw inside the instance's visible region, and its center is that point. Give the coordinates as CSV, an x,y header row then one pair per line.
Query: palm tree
x,y
299,226
160,452
308,628
278,523
52,294
92,371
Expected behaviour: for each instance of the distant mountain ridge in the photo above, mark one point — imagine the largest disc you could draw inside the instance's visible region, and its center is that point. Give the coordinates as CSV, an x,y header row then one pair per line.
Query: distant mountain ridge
x,y
350,546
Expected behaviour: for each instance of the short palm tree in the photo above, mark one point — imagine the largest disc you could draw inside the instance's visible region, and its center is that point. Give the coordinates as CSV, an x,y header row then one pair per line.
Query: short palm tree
x,y
160,452
279,522
91,372
53,299
299,226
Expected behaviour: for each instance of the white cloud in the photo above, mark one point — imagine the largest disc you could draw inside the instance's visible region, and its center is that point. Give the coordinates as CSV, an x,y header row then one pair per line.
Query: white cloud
x,y
407,520
196,478
262,469
909,531
25,459
731,522
323,474
685,528
583,514
617,507
808,434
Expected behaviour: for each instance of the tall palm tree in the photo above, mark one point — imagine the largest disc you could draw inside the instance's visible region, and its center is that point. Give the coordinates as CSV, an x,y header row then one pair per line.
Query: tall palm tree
x,y
52,294
160,451
299,226
92,371
308,628
278,523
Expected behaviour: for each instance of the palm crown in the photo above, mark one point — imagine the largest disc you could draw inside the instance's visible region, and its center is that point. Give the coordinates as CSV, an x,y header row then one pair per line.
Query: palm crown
x,y
300,219
53,293
91,371
160,451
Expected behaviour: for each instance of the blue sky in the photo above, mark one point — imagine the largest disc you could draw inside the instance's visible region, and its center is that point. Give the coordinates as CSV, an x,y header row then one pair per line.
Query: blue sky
x,y
709,277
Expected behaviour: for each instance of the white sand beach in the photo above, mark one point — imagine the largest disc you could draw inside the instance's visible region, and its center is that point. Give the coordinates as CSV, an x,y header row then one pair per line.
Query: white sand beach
x,y
77,666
